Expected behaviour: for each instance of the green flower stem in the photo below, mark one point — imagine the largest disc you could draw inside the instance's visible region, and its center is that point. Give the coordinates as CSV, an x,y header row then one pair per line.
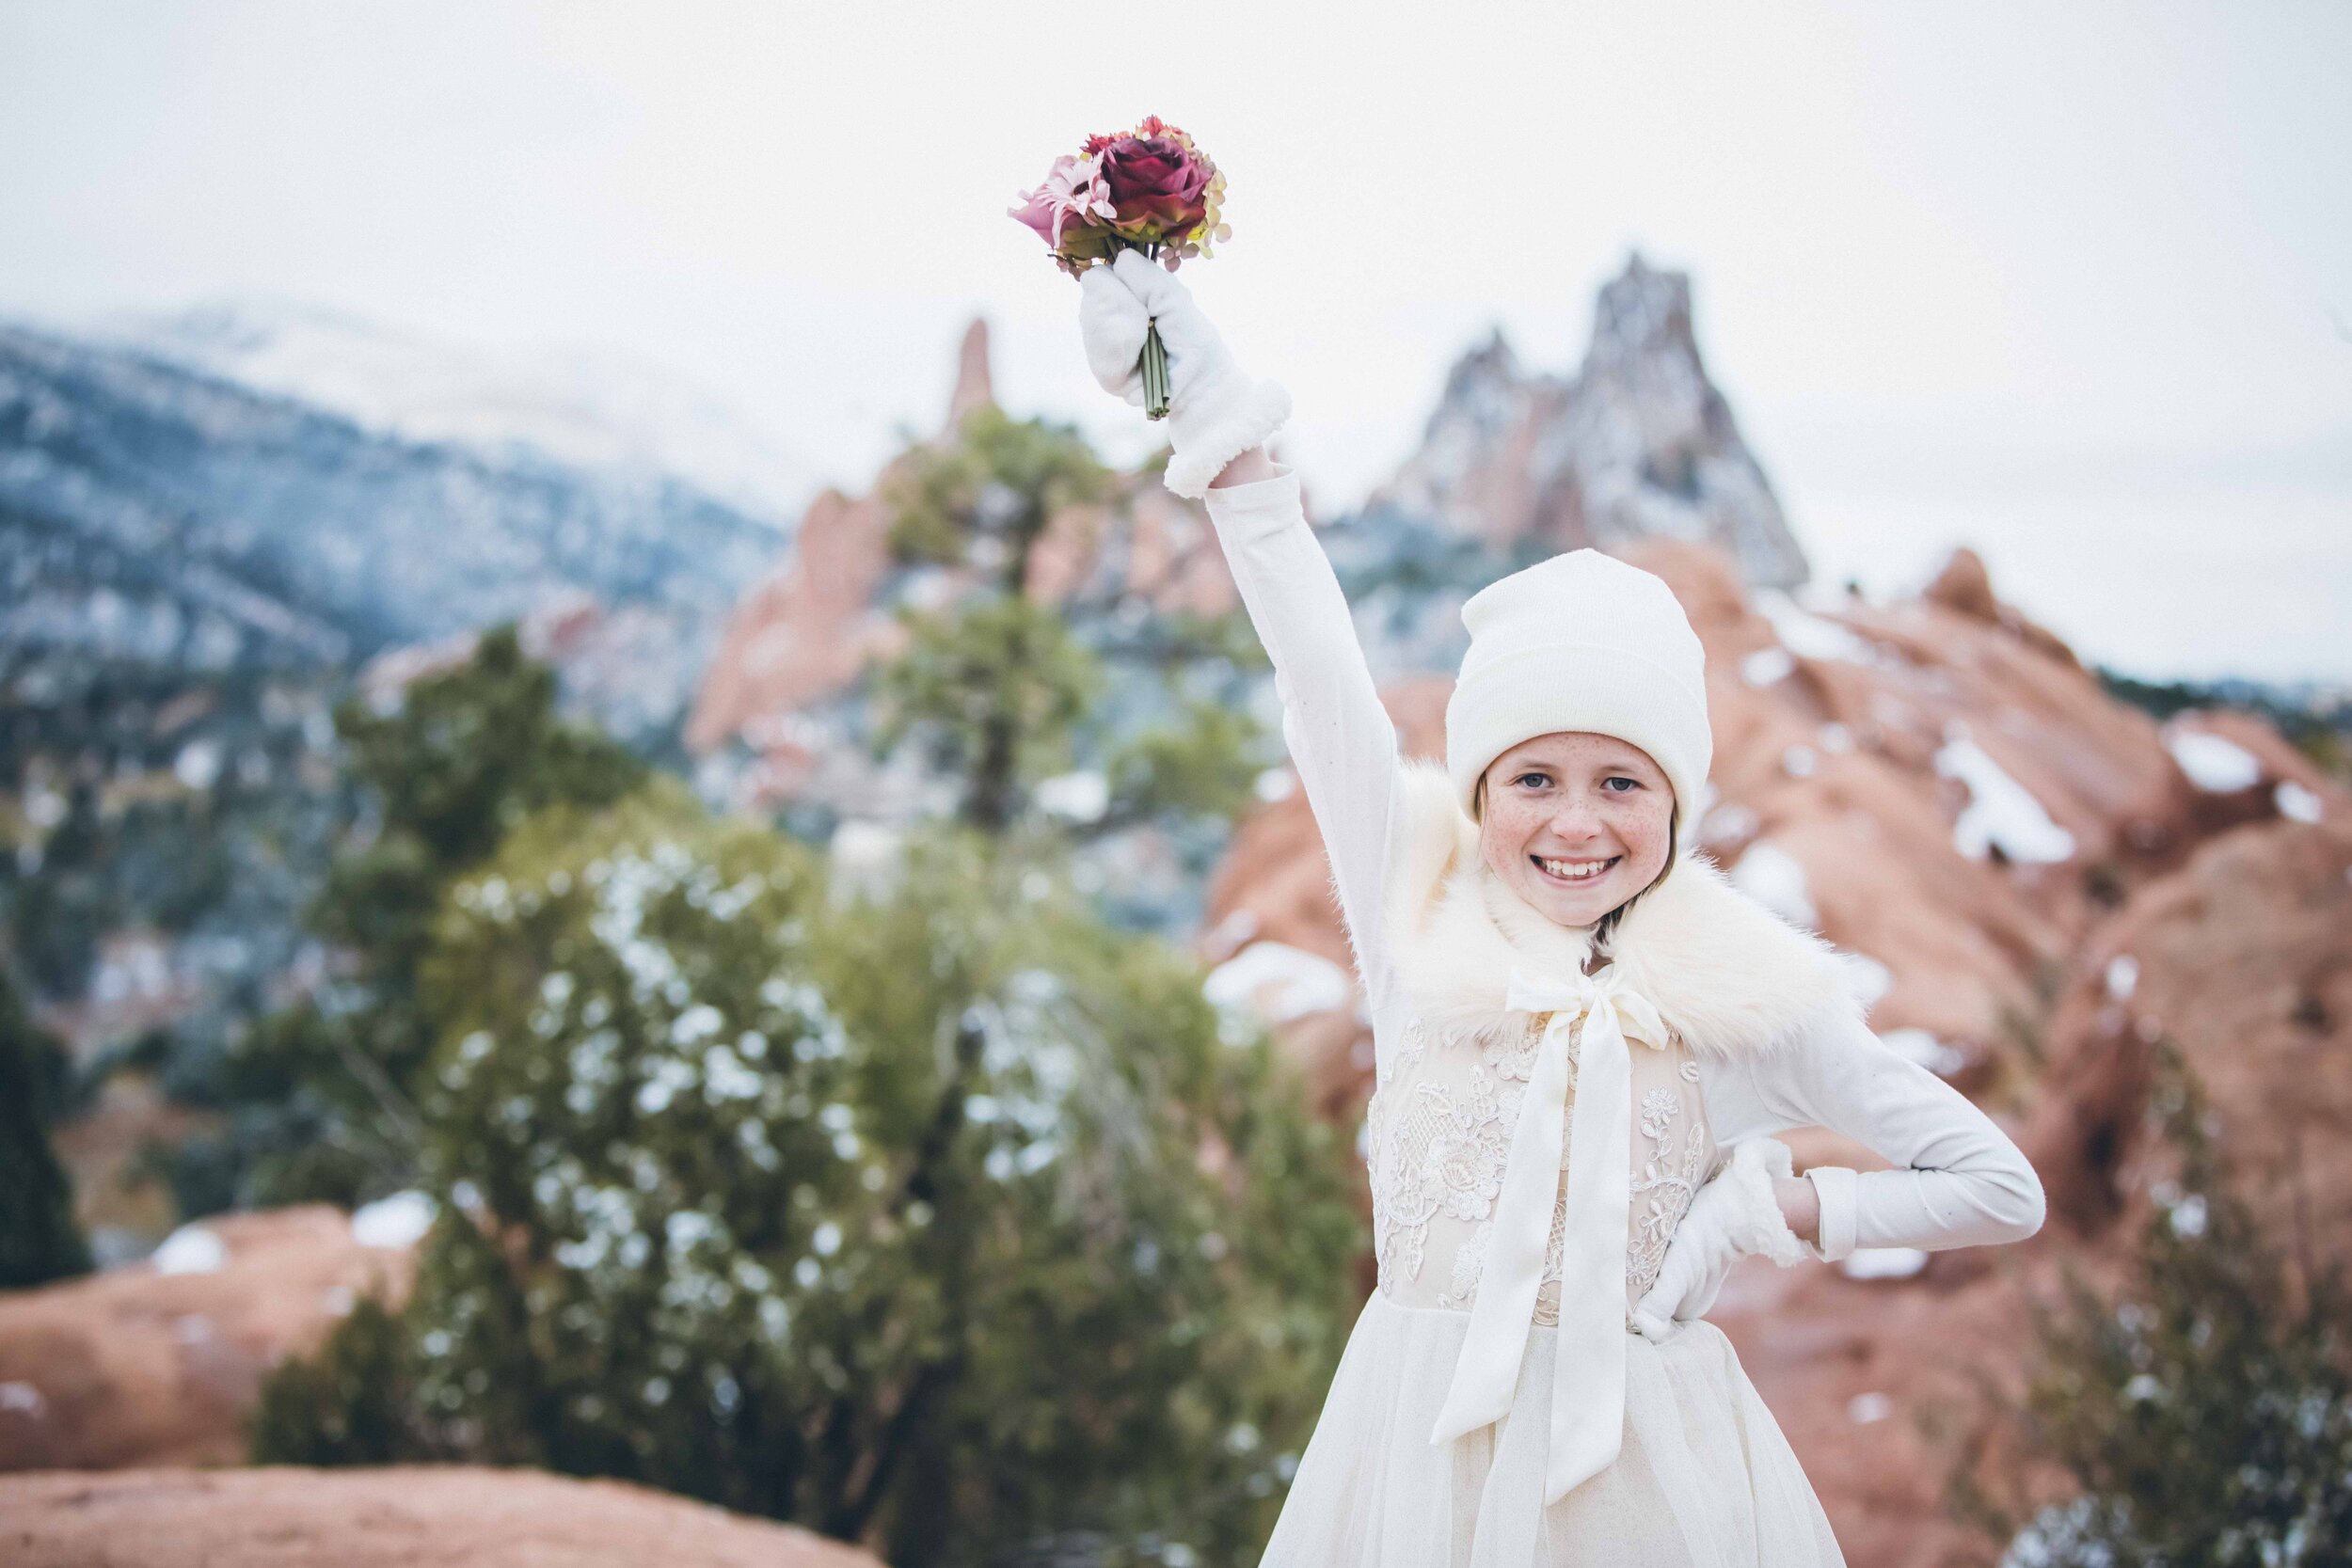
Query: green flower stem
x,y
1154,374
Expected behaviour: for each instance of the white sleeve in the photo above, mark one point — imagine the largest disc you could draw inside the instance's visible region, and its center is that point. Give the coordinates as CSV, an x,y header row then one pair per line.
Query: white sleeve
x,y
1959,1180
1341,738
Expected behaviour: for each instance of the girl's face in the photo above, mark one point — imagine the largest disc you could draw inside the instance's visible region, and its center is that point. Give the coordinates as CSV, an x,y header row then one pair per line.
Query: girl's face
x,y
1576,823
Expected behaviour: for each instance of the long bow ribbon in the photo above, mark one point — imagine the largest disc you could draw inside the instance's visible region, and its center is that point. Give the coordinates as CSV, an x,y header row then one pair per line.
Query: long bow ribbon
x,y
1588,1367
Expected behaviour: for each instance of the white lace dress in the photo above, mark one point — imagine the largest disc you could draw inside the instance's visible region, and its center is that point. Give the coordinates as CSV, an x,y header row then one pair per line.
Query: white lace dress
x,y
1704,1478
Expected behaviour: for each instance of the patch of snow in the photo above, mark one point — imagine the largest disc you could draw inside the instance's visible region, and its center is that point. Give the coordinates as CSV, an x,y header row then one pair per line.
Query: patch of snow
x,y
1883,1263
865,857
1917,1045
1276,784
190,1249
398,1221
23,1398
1810,636
2001,813
1230,934
1772,877
1864,978
2123,976
2216,766
336,1301
1865,1409
1835,737
198,765
1729,822
1766,666
1800,762
2294,802
1080,797
1276,982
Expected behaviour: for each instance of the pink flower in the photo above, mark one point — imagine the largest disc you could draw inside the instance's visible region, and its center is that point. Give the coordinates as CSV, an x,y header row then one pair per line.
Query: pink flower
x,y
1149,188
1072,191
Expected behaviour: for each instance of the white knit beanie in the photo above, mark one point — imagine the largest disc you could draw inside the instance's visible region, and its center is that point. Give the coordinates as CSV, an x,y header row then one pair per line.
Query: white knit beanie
x,y
1582,642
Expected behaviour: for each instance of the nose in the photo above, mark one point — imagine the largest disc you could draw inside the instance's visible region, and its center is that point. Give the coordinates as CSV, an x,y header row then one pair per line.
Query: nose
x,y
1576,822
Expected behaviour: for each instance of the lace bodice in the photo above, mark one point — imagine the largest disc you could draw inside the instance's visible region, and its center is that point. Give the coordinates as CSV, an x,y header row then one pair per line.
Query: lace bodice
x,y
1439,1129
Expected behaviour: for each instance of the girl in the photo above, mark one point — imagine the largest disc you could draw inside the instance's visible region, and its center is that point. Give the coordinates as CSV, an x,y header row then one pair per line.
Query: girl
x,y
1583,1038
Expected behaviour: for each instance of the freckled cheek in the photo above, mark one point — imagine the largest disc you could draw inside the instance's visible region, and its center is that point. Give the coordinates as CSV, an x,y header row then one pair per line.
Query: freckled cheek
x,y
1638,823
1508,826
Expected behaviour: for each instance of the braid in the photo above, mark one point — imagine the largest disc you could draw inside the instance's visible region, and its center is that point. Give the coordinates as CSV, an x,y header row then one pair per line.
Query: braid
x,y
1606,927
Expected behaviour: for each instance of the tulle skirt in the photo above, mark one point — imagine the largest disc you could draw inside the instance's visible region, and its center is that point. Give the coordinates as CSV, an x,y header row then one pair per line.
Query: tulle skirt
x,y
1705,1479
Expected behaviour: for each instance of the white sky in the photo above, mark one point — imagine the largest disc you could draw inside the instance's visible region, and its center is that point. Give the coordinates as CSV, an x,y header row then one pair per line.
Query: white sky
x,y
2072,283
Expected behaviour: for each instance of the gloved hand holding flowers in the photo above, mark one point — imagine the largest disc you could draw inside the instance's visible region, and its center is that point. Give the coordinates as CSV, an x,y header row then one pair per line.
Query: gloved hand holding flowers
x,y
1120,217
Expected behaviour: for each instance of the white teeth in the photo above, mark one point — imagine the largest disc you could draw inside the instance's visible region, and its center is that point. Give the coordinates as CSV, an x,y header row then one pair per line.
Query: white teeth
x,y
1575,871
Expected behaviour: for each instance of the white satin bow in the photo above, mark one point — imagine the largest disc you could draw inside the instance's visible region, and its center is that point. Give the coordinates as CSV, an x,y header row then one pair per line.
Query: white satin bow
x,y
1588,1367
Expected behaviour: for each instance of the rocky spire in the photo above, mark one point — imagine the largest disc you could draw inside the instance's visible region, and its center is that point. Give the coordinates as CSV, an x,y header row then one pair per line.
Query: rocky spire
x,y
1638,445
975,386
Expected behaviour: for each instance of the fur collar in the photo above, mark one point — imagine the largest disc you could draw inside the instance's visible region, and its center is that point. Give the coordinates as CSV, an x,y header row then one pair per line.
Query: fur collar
x,y
1729,976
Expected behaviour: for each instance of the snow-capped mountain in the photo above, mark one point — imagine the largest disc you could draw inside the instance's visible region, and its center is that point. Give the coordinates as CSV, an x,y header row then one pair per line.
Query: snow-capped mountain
x,y
176,515
586,409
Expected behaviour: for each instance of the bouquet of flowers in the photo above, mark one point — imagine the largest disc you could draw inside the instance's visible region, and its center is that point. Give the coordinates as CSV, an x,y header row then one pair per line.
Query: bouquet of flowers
x,y
1148,189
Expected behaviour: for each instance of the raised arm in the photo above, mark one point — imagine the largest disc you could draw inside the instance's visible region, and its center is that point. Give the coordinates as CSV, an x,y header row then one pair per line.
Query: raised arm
x,y
1958,1181
1341,738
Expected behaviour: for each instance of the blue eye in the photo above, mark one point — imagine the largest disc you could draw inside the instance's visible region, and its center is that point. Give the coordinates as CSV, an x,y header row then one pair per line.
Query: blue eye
x,y
1532,780
1613,781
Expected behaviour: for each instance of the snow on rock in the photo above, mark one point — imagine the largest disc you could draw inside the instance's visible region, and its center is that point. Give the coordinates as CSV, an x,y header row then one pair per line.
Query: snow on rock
x,y
2123,976
1277,983
2294,802
1766,666
2001,813
398,1221
2216,766
1865,1409
1918,1045
1772,877
1884,1262
1810,636
190,1249
1864,978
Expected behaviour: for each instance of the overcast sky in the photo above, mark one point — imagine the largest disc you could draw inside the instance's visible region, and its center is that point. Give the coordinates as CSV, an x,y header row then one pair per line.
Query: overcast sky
x,y
2070,283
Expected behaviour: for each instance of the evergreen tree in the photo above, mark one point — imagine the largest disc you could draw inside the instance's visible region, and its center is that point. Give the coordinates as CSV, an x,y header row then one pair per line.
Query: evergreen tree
x,y
1003,688
949,1222
2206,1415
323,1096
39,1239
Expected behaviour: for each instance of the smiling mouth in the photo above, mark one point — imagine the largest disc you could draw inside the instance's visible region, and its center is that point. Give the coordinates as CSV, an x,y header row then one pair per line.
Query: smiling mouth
x,y
1574,871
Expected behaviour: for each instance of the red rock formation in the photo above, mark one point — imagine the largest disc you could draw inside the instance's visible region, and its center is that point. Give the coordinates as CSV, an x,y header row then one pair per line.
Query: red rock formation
x,y
423,1517
139,1367
802,636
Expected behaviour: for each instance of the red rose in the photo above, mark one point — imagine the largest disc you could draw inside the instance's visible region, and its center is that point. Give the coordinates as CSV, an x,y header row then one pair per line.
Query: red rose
x,y
1158,184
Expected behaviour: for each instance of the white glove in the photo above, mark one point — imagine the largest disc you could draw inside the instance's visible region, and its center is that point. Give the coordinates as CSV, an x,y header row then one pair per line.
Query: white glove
x,y
1215,411
1734,1214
